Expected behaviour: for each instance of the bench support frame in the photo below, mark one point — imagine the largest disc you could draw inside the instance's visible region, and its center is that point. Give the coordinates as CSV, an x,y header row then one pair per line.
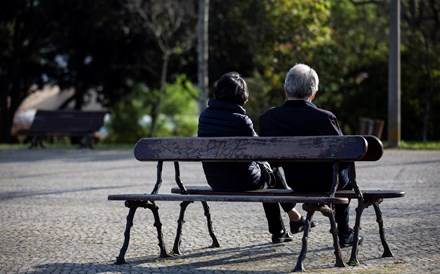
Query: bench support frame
x,y
133,206
181,221
328,212
203,150
363,203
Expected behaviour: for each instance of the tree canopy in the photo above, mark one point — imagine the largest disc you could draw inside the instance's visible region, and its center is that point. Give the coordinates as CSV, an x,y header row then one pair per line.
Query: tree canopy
x,y
140,56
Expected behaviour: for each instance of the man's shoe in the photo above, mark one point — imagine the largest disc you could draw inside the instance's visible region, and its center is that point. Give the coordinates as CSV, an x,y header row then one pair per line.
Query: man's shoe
x,y
283,236
346,238
298,226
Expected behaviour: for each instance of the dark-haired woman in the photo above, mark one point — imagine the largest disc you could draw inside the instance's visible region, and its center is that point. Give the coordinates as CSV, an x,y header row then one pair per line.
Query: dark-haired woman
x,y
225,117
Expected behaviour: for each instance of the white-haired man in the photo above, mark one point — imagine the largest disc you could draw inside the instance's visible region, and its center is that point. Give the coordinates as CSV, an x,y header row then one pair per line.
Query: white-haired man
x,y
298,116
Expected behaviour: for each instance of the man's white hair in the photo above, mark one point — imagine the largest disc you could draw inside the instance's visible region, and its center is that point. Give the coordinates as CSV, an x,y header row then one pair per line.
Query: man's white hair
x,y
301,82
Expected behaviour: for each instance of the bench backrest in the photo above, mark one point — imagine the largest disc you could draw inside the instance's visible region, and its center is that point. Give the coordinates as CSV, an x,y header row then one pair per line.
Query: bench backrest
x,y
68,120
311,148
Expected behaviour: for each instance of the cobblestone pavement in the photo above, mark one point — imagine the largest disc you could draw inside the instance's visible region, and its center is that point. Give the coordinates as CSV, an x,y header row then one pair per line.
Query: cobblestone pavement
x,y
55,218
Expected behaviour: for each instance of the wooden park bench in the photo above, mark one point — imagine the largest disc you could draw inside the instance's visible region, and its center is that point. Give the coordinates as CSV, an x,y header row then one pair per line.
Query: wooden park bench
x,y
334,149
71,123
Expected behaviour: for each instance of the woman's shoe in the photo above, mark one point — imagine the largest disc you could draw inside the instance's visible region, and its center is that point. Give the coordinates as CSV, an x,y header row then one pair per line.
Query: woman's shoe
x,y
346,238
283,236
298,226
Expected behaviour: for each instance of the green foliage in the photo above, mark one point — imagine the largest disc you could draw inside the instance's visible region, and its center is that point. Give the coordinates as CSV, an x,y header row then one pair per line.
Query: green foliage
x,y
420,145
179,111
296,28
353,72
125,125
130,118
420,70
289,31
103,45
261,97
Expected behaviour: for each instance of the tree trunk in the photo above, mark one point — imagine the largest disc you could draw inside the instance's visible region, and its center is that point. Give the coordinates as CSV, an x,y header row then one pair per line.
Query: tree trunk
x,y
5,121
428,98
203,54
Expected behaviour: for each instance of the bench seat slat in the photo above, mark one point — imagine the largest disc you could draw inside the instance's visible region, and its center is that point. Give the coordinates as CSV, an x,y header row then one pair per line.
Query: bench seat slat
x,y
228,198
310,148
377,194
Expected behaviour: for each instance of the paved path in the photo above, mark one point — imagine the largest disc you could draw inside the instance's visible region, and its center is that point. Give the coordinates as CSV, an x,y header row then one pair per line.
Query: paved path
x,y
55,218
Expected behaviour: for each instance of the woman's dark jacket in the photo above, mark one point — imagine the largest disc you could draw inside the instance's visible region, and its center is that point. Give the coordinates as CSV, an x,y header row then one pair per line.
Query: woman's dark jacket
x,y
223,119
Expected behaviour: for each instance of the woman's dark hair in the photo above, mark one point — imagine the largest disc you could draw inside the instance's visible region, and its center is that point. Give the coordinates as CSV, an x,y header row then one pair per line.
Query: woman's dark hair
x,y
232,88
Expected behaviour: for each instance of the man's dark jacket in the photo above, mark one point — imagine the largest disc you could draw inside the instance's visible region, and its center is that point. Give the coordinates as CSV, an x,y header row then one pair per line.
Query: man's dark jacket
x,y
223,119
302,118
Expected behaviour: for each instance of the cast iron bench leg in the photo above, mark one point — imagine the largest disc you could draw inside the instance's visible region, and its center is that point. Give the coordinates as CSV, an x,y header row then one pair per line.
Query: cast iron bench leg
x,y
386,249
359,210
133,205
155,209
302,255
209,223
354,250
121,258
36,141
86,142
180,222
328,212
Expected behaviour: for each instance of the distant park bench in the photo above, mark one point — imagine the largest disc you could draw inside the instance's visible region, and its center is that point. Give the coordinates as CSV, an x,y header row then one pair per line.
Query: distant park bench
x,y
71,123
334,149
